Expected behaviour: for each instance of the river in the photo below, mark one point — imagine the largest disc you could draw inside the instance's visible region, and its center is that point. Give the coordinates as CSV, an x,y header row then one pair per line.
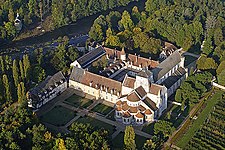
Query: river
x,y
81,26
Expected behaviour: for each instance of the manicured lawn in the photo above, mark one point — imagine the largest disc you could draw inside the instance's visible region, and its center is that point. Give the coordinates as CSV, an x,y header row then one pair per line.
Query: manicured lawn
x,y
118,141
78,101
58,116
196,125
102,109
149,128
111,116
96,124
188,60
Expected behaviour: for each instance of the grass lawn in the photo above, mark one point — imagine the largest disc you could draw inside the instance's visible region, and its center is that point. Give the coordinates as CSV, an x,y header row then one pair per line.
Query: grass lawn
x,y
118,141
189,59
78,101
96,124
58,116
196,125
102,109
149,128
111,116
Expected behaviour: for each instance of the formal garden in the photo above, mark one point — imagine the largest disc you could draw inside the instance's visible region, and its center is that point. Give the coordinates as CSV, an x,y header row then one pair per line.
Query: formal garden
x,y
96,124
78,101
58,116
102,109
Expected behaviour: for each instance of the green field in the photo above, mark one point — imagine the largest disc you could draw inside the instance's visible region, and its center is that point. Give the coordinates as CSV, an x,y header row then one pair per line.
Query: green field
x,y
58,116
118,141
78,101
102,109
197,124
96,124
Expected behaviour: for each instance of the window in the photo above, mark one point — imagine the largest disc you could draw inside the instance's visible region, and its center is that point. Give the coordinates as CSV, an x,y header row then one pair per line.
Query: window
x,y
106,97
124,120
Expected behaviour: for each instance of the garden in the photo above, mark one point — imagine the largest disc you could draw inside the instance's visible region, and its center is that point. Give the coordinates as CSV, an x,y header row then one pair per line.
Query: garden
x,y
102,109
96,124
78,101
58,116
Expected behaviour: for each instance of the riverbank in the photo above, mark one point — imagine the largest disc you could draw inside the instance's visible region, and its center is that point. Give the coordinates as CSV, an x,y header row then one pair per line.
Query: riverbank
x,y
82,26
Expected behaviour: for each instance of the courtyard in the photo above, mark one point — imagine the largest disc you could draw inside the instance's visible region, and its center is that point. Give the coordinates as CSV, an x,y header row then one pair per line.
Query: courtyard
x,y
72,108
58,116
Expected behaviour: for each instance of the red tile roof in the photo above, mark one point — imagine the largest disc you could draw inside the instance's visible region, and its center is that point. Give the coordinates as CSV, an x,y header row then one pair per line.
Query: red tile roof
x,y
125,107
98,81
154,89
129,82
144,62
133,109
126,115
148,112
119,102
141,91
133,97
141,108
139,115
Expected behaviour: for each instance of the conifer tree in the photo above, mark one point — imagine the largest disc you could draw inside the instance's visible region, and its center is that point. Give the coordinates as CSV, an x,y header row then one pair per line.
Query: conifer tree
x,y
21,70
2,64
15,73
7,88
129,138
26,65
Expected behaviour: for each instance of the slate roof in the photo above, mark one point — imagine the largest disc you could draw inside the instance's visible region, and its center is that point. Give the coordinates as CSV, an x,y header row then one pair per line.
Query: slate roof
x,y
165,66
145,73
88,58
50,81
150,104
171,80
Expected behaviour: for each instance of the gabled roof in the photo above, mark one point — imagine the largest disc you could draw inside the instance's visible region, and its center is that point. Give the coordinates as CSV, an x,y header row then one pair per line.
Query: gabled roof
x,y
145,73
96,81
133,109
133,97
141,91
171,80
88,58
165,66
150,104
141,61
50,81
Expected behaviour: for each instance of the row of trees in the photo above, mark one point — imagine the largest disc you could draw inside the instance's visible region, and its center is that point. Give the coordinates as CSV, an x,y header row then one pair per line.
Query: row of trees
x,y
15,76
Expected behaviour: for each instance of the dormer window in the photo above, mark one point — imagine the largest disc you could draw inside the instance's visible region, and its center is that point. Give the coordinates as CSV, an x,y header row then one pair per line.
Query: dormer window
x,y
46,92
56,84
61,81
50,88
91,83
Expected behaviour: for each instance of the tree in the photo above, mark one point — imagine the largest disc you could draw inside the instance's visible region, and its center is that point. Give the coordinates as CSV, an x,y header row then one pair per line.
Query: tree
x,y
220,68
11,15
2,64
21,70
60,145
21,93
207,46
218,36
221,78
26,66
96,32
149,144
126,23
15,73
163,127
7,92
129,138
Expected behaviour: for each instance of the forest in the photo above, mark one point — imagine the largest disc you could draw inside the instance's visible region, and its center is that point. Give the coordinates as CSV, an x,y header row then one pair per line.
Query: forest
x,y
187,24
